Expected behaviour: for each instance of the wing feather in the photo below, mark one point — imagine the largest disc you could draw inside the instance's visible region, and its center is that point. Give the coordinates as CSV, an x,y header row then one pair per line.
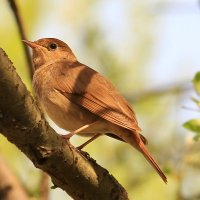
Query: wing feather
x,y
86,87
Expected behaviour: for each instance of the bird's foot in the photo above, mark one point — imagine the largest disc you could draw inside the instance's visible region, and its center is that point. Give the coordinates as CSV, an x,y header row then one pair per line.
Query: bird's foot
x,y
67,136
84,153
81,147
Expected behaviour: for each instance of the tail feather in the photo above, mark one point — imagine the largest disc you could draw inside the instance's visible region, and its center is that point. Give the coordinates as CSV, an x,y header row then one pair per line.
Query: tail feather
x,y
144,140
151,160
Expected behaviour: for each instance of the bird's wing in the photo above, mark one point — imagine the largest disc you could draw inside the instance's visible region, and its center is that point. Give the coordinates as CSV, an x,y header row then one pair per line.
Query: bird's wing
x,y
87,88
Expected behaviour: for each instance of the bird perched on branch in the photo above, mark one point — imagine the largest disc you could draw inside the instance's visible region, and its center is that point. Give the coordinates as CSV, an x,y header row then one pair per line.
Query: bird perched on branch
x,y
82,101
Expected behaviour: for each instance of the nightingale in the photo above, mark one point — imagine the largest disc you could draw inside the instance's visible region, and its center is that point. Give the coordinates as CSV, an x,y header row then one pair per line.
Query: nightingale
x,y
81,100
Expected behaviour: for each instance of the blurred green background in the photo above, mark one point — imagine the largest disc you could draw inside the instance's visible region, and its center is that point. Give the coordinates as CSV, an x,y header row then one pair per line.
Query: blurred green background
x,y
149,49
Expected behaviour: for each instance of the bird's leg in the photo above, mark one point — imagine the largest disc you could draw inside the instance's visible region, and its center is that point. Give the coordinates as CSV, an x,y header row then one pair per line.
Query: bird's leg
x,y
89,141
69,135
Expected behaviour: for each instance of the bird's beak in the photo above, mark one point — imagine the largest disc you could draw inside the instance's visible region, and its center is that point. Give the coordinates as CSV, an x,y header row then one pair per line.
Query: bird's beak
x,y
31,44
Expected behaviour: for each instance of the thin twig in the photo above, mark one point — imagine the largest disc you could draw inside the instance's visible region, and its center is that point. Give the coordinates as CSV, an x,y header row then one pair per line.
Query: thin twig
x,y
175,88
10,187
22,33
44,187
191,109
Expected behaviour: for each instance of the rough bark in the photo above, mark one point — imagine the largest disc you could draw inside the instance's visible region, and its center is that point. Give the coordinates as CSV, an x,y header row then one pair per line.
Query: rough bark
x,y
23,124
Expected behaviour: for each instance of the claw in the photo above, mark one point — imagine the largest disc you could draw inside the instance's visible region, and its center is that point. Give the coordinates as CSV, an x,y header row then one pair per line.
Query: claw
x,y
67,136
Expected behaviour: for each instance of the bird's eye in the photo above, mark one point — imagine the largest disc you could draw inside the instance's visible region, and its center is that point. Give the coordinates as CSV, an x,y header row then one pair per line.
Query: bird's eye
x,y
53,46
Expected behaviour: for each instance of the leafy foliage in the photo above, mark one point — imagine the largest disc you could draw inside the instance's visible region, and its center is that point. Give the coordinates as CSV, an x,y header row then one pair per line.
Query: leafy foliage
x,y
194,124
196,82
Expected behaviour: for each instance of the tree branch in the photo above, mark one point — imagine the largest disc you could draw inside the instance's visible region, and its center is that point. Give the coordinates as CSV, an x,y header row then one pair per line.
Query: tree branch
x,y
10,188
172,88
44,187
22,34
22,122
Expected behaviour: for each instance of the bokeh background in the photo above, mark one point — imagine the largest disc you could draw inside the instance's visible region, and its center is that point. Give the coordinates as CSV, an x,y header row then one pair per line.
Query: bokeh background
x,y
149,49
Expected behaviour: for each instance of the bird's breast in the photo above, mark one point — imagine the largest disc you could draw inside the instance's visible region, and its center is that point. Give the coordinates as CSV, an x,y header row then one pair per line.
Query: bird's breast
x,y
59,108
65,113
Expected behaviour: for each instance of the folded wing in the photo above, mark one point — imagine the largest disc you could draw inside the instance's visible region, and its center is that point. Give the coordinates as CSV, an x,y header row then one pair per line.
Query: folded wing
x,y
86,87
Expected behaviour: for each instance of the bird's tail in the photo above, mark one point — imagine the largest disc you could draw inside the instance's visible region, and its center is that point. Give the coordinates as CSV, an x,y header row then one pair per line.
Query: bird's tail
x,y
142,148
138,141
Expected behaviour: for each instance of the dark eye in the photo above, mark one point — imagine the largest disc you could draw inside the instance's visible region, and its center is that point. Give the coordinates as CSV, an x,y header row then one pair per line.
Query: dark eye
x,y
53,46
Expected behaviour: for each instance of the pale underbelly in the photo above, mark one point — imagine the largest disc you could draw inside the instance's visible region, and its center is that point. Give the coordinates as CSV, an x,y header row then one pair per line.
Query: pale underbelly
x,y
67,115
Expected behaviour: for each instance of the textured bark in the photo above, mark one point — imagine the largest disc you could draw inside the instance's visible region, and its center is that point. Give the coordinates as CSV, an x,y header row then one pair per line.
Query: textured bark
x,y
22,122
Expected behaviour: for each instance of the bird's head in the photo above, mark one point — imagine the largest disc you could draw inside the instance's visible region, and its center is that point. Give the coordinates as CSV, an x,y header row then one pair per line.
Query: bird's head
x,y
47,50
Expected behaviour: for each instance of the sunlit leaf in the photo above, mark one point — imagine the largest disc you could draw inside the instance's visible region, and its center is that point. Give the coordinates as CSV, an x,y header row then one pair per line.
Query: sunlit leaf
x,y
196,101
193,125
196,82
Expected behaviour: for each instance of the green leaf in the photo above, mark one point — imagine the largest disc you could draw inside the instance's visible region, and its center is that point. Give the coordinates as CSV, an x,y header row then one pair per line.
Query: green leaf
x,y
196,101
196,137
193,125
196,82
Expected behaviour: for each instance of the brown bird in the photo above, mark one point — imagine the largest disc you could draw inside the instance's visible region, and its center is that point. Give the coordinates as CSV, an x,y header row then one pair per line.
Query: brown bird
x,y
82,101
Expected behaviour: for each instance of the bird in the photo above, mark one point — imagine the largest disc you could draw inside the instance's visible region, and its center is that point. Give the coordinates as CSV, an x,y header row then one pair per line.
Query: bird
x,y
81,100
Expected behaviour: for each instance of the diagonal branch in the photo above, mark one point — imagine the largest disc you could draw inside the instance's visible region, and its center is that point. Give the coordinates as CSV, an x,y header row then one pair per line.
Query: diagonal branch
x,y
22,122
22,34
172,88
10,188
44,187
